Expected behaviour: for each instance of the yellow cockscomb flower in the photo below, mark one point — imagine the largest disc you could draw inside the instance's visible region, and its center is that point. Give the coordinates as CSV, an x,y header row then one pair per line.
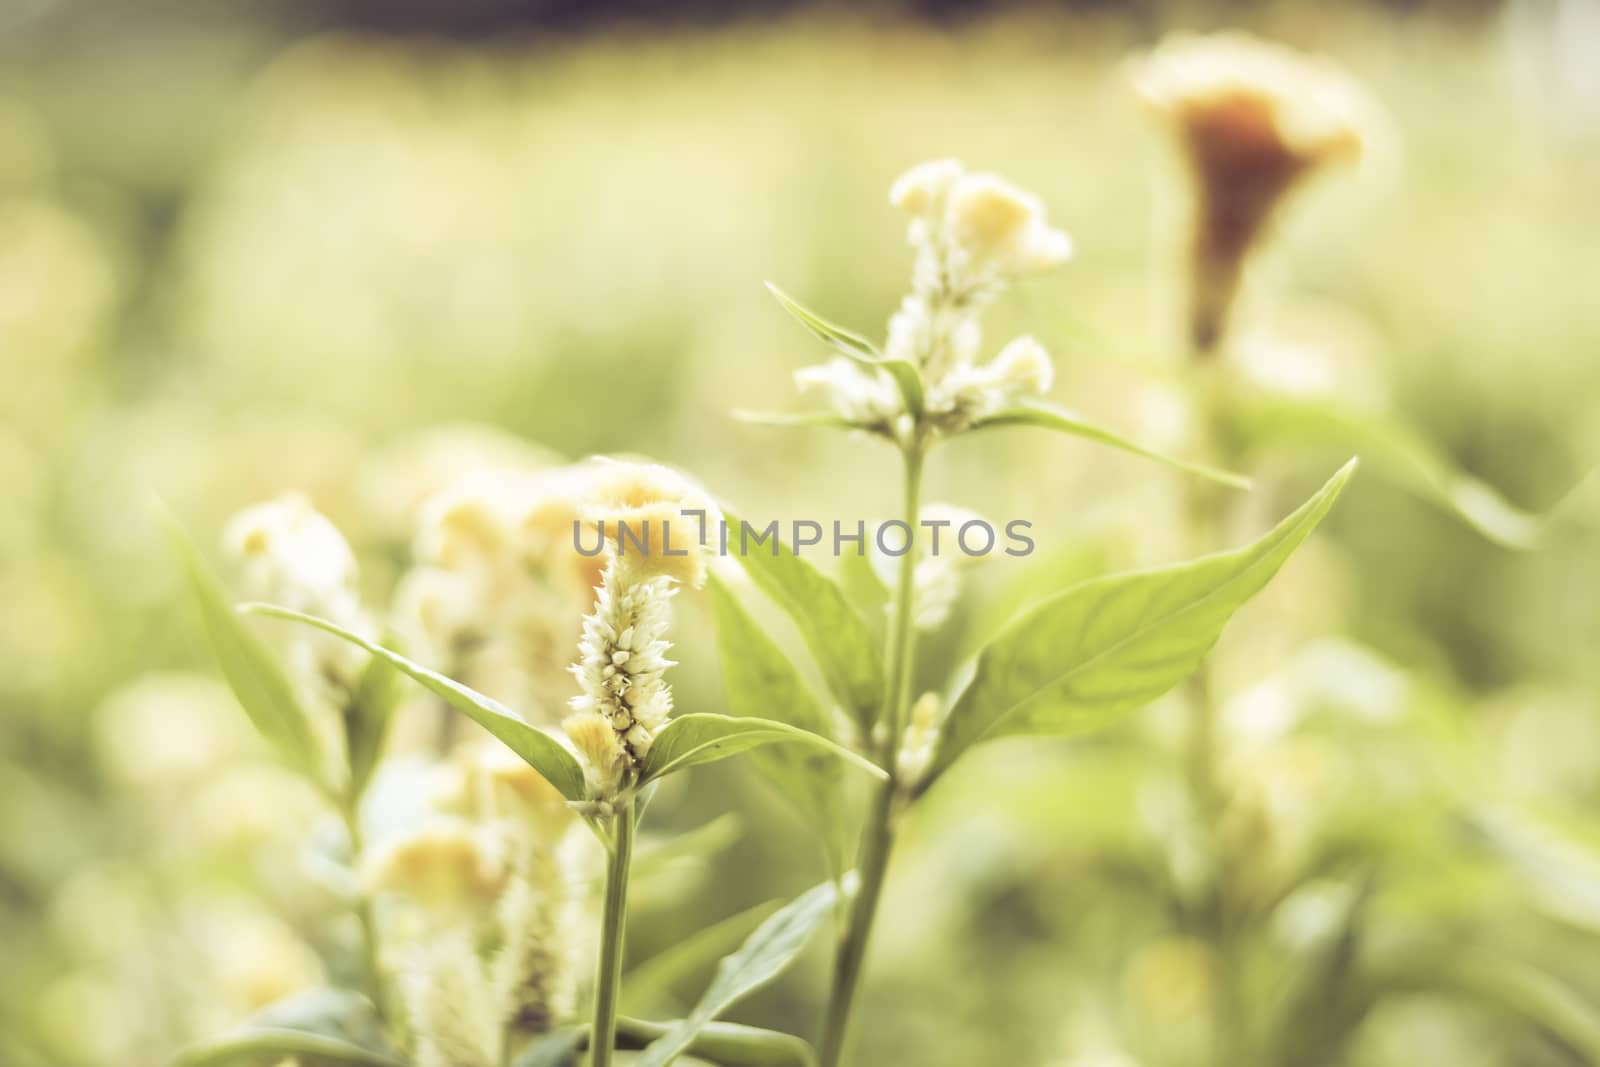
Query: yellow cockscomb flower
x,y
652,516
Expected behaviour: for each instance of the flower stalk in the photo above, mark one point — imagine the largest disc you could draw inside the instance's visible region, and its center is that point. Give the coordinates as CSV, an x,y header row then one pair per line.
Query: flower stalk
x,y
878,838
608,968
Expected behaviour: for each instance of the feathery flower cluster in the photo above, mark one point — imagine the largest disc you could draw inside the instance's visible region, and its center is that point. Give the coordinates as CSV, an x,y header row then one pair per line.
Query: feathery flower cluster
x,y
973,234
621,667
496,862
1252,118
624,699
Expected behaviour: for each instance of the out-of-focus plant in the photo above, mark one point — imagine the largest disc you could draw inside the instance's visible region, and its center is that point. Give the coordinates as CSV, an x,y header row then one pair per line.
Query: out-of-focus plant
x,y
1260,858
1075,662
473,968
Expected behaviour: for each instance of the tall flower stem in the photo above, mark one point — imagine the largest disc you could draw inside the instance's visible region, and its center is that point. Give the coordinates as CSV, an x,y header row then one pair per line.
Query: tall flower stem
x,y
372,975
608,970
1205,516
877,842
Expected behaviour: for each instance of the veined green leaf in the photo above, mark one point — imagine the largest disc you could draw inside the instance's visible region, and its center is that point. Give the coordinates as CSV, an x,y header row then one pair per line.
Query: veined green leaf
x,y
251,669
838,638
1402,455
761,683
851,344
324,1026
763,956
689,740
726,1044
650,982
1049,417
1101,649
540,750
367,718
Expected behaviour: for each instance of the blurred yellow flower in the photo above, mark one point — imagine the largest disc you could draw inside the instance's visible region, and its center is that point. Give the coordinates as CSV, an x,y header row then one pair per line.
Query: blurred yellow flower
x,y
652,516
443,864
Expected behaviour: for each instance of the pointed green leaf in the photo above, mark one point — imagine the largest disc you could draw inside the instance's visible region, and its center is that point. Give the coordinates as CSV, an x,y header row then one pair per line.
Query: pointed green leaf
x,y
1082,659
856,347
864,589
652,981
367,718
690,740
1559,867
322,1026
761,683
1049,417
1401,454
540,750
846,341
763,956
724,1044
251,669
839,640
560,1048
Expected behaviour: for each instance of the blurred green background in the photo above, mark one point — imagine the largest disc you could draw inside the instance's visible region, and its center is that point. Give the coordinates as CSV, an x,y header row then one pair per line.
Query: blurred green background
x,y
246,248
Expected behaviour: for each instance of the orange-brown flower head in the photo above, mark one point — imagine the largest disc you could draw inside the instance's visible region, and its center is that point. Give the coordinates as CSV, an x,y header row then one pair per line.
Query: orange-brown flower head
x,y
1252,119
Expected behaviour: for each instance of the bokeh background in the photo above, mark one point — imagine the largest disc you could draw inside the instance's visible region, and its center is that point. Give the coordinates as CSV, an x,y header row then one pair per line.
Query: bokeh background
x,y
253,247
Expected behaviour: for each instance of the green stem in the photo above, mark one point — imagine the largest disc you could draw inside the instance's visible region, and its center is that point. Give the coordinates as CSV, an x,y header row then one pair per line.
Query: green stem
x,y
608,971
1205,514
877,842
372,975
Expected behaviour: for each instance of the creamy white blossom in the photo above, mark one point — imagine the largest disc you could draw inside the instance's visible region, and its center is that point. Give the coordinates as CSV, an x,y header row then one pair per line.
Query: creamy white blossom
x,y
286,552
653,521
863,396
620,670
972,235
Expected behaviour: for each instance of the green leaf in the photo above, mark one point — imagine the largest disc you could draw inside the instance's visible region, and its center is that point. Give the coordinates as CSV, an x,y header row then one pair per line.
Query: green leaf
x,y
851,344
690,740
1517,988
540,750
561,1048
1560,869
1402,455
761,683
727,1044
1049,417
324,1025
367,718
252,671
652,981
864,589
1084,658
838,638
763,956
